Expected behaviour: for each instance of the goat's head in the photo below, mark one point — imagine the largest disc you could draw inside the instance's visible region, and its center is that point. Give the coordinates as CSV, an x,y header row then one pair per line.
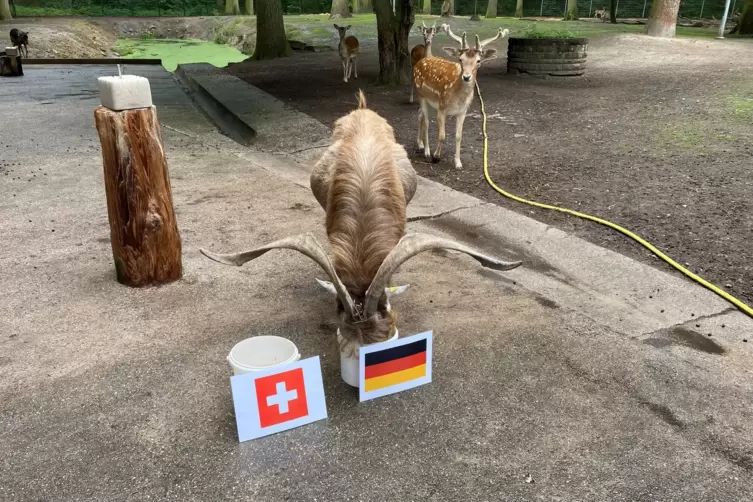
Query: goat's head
x,y
470,58
369,319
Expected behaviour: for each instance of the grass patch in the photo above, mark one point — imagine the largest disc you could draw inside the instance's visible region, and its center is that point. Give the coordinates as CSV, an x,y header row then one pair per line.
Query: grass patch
x,y
173,52
535,31
742,106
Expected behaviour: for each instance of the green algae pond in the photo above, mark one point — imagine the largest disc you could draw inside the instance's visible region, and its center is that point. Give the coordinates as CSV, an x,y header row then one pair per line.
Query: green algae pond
x,y
173,52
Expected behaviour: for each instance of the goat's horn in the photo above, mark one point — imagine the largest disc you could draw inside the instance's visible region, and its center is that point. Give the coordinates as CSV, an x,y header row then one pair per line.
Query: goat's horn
x,y
411,245
500,34
303,243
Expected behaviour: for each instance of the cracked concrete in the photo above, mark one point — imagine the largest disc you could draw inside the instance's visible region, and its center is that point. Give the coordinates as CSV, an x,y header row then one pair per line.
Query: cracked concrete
x,y
112,393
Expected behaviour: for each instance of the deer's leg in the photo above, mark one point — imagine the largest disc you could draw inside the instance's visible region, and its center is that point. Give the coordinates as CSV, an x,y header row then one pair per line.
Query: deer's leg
x,y
345,69
355,66
458,138
423,128
441,117
412,85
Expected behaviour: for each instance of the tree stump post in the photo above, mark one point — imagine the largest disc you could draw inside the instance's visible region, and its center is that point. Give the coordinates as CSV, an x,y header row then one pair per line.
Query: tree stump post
x,y
146,245
10,63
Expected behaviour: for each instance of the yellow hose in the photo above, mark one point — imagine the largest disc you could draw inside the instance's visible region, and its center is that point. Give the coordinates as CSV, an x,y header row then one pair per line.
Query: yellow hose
x,y
737,303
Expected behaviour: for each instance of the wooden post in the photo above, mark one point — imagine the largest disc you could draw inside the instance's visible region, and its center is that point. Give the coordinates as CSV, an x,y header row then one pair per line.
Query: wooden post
x,y
144,234
10,63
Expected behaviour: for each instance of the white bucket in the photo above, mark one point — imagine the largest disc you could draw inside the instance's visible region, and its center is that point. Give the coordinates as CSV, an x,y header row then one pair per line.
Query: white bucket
x,y
262,352
349,365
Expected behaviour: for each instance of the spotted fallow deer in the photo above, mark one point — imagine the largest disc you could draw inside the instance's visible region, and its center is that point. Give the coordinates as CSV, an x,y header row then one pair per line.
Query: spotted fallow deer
x,y
449,87
349,49
421,51
362,187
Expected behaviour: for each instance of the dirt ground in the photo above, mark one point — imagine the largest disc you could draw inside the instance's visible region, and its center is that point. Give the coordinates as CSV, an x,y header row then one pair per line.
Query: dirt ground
x,y
656,137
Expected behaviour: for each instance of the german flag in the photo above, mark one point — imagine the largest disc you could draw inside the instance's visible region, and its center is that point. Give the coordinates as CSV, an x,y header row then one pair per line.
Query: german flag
x,y
395,365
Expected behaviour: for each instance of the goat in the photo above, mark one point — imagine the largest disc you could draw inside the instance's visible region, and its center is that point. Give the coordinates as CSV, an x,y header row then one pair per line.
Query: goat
x,y
20,39
421,51
348,49
365,198
449,88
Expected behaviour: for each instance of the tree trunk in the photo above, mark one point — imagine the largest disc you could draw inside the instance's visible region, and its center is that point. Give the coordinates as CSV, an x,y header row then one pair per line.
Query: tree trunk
x,y
144,235
232,8
248,6
519,9
340,9
271,41
5,10
364,6
386,41
745,26
662,20
571,11
613,11
491,9
426,7
406,16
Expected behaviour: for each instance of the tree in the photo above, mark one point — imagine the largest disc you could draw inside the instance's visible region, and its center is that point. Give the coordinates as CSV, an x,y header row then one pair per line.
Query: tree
x,y
491,9
745,26
662,19
427,7
271,41
340,9
519,9
392,39
448,9
232,8
613,11
571,11
248,6
363,6
5,10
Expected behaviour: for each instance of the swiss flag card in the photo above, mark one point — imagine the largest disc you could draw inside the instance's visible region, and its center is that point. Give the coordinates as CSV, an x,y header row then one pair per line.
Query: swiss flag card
x,y
278,399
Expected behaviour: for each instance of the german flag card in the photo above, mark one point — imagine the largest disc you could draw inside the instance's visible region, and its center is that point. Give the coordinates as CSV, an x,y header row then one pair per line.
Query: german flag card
x,y
394,366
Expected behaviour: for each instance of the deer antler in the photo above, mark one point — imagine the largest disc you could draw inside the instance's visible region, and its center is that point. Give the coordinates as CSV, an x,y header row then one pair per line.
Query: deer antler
x,y
500,34
461,41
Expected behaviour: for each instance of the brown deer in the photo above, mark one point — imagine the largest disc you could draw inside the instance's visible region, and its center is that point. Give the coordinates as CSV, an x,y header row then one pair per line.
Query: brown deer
x,y
449,87
421,51
365,203
349,49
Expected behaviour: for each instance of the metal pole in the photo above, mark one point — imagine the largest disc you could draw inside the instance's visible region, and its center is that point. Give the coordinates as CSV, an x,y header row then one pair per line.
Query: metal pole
x,y
616,8
644,9
700,16
590,6
541,13
724,20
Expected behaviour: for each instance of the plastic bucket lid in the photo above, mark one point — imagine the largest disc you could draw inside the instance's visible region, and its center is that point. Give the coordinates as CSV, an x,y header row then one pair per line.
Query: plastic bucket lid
x,y
262,352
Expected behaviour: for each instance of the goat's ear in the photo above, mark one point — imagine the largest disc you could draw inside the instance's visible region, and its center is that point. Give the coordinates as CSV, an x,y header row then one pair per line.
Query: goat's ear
x,y
452,51
396,290
328,286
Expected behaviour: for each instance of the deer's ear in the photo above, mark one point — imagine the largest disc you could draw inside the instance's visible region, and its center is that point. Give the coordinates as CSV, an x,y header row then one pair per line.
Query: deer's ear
x,y
452,51
337,27
347,27
487,54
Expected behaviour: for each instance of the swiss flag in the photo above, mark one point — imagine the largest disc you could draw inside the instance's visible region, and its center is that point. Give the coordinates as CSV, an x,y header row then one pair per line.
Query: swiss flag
x,y
281,397
275,400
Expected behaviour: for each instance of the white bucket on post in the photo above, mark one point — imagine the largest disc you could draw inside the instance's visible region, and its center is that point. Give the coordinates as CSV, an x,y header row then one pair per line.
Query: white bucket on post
x,y
261,353
349,365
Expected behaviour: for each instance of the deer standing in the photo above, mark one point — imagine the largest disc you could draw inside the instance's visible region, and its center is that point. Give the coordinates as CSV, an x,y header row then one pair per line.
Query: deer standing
x,y
421,51
348,48
449,88
364,182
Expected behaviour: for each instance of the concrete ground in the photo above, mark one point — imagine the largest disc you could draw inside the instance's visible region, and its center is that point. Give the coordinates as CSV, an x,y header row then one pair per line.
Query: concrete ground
x,y
580,376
